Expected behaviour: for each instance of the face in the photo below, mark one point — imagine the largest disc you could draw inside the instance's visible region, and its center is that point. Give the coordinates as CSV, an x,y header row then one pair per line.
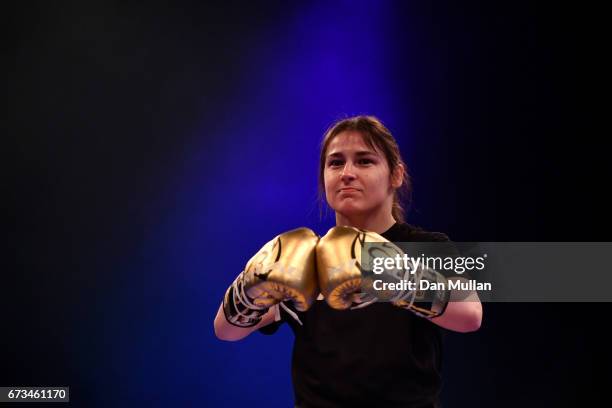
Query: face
x,y
356,177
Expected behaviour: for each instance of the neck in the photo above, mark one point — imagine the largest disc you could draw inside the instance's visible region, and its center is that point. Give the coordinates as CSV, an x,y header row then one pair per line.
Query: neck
x,y
378,222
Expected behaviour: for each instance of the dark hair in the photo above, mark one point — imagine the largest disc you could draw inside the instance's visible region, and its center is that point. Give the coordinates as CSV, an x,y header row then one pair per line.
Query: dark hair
x,y
378,137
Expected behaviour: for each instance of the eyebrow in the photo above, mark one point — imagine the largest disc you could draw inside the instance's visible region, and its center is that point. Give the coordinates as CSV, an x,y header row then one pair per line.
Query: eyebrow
x,y
359,153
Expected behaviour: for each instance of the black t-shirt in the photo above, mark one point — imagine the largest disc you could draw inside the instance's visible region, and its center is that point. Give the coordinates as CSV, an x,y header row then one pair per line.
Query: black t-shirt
x,y
378,356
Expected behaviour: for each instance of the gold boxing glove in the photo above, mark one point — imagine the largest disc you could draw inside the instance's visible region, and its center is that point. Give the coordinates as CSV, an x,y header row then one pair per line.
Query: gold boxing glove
x,y
284,269
345,283
338,265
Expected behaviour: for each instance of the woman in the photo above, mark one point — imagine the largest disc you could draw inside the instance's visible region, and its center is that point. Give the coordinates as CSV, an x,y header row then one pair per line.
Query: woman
x,y
380,355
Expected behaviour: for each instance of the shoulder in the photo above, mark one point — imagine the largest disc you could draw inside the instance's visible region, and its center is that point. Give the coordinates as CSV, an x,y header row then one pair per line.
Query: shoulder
x,y
408,232
412,233
429,236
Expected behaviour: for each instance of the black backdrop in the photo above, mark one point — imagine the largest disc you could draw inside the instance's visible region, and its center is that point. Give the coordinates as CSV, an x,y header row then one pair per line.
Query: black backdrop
x,y
105,99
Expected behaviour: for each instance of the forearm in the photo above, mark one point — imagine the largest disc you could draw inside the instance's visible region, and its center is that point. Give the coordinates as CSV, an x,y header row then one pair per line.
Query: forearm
x,y
461,316
228,332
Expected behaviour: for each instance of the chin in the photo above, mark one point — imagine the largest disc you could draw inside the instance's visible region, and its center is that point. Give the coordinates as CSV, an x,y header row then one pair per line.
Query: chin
x,y
349,210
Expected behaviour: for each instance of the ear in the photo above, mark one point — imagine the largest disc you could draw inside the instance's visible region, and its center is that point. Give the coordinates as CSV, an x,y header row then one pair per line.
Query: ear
x,y
397,178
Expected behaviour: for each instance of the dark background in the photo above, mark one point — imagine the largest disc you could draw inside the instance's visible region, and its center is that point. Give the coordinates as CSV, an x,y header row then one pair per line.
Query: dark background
x,y
154,147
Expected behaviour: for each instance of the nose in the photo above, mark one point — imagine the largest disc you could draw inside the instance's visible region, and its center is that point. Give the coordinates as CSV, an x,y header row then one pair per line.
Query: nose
x,y
348,173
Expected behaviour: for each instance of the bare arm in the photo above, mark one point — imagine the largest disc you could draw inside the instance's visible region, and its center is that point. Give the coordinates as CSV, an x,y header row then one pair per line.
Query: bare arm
x,y
229,332
461,316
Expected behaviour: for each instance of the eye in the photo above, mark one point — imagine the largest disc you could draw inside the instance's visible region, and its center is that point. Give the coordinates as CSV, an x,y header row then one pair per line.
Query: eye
x,y
365,161
335,163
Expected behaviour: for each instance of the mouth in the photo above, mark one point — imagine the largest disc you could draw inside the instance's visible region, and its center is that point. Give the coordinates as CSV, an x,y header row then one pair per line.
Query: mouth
x,y
348,190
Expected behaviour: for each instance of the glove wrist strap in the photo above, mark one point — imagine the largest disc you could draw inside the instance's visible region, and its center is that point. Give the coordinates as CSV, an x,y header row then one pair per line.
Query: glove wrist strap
x,y
430,303
239,309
